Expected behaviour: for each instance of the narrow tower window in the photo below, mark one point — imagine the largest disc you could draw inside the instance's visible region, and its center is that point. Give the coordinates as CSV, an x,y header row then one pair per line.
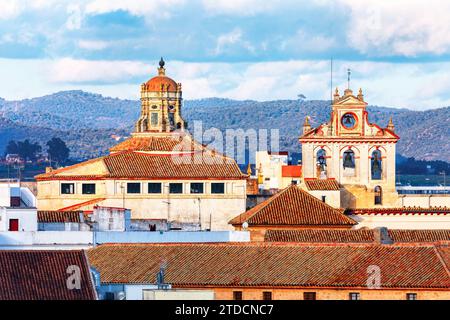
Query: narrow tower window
x,y
349,159
376,165
154,119
321,164
378,195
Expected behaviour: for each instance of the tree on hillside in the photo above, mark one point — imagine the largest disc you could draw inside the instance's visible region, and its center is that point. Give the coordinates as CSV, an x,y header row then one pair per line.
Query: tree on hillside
x,y
12,148
57,150
25,149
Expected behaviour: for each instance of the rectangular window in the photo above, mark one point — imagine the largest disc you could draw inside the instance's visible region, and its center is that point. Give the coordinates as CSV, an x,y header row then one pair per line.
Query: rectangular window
x,y
67,188
411,296
154,119
13,225
88,188
176,188
354,296
218,187
309,296
133,187
196,187
237,295
154,187
324,198
267,295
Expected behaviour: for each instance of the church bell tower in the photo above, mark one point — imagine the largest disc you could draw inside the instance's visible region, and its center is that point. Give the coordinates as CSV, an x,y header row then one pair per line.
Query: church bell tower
x,y
161,99
358,154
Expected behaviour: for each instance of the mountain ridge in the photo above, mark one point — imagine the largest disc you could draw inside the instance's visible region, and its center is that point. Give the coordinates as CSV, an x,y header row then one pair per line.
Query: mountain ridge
x,y
90,123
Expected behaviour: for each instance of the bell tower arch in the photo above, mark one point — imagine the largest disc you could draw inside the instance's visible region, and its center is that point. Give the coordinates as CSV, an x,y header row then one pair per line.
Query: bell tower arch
x,y
359,155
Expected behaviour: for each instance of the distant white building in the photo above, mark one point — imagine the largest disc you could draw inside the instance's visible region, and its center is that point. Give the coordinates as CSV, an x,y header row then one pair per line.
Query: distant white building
x,y
17,207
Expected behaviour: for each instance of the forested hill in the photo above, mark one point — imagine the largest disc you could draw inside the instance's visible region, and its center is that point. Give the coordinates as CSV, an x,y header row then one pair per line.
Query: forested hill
x,y
90,123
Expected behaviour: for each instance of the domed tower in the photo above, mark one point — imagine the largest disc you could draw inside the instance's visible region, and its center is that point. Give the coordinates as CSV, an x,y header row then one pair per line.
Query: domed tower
x,y
160,104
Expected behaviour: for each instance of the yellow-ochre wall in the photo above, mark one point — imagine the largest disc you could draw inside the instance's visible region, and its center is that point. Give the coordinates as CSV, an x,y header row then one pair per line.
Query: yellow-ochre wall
x,y
331,294
214,210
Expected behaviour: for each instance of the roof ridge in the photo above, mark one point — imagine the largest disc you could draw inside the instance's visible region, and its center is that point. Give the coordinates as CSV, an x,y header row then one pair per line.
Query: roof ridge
x,y
441,259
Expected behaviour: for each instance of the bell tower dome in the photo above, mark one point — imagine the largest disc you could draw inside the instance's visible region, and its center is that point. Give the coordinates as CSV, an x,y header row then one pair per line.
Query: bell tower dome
x,y
161,99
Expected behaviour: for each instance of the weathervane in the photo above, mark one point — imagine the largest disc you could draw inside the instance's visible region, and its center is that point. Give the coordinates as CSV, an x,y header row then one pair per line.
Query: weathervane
x,y
348,78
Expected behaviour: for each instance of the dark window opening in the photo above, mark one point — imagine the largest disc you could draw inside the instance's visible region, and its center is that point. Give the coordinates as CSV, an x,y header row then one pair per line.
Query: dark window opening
x,y
354,296
309,296
376,165
349,159
196,187
321,163
67,188
324,198
154,187
133,187
378,195
237,295
14,201
411,296
217,187
176,188
267,295
88,188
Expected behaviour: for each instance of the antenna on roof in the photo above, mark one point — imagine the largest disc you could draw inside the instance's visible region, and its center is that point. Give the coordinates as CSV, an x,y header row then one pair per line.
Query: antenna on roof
x,y
331,81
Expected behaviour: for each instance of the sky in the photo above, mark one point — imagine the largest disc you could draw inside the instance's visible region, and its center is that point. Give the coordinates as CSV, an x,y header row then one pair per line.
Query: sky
x,y
398,50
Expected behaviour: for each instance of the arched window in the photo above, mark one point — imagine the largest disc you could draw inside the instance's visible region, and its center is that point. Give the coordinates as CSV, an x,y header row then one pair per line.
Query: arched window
x,y
321,163
349,159
378,199
376,165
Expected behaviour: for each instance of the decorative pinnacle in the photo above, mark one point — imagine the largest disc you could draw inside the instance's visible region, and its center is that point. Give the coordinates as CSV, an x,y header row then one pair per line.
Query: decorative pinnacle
x,y
306,121
162,62
360,95
336,94
249,169
390,125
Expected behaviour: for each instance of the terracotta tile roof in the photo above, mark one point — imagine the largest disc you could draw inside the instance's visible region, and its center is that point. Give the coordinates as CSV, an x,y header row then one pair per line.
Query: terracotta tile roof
x,y
399,235
322,184
158,143
355,236
137,165
82,204
444,253
197,162
59,216
321,236
293,206
271,265
402,211
198,165
291,171
42,275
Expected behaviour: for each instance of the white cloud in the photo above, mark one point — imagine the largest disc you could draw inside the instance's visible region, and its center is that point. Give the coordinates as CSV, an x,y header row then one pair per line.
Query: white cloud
x,y
69,70
239,7
402,27
414,86
12,8
159,8
93,45
308,42
9,9
228,41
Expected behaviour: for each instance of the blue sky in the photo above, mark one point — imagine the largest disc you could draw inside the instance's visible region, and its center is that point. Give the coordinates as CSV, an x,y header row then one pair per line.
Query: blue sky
x,y
398,50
